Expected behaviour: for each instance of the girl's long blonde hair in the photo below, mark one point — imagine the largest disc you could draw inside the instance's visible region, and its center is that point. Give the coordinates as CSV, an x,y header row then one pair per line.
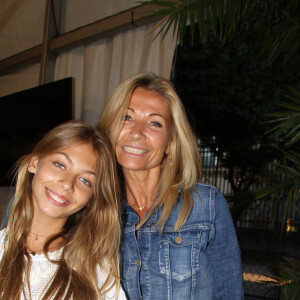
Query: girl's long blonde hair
x,y
91,236
181,167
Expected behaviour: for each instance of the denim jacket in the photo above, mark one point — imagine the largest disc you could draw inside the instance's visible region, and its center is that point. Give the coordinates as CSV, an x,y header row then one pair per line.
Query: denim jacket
x,y
201,261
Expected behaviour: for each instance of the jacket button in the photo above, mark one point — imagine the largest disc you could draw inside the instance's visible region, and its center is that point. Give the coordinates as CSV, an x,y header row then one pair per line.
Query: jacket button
x,y
178,239
138,262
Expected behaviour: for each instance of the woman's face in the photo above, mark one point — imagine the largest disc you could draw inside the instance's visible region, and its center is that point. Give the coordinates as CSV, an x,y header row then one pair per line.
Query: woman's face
x,y
145,136
63,181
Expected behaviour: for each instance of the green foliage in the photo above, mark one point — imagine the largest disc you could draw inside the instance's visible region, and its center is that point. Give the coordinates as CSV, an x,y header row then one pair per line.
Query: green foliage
x,y
280,34
221,17
286,278
286,130
287,121
227,98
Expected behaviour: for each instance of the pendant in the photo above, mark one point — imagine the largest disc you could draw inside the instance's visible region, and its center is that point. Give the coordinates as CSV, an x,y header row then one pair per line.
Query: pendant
x,y
137,207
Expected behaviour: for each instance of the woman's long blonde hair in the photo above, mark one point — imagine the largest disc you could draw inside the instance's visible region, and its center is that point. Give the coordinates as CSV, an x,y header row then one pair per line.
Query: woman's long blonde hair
x,y
91,235
181,167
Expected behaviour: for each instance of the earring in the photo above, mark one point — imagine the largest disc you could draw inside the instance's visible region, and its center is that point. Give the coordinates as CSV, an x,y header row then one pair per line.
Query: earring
x,y
171,160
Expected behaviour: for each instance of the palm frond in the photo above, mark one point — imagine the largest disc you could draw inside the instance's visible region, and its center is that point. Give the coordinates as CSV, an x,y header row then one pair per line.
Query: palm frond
x,y
224,17
287,121
270,194
219,16
287,192
283,32
286,279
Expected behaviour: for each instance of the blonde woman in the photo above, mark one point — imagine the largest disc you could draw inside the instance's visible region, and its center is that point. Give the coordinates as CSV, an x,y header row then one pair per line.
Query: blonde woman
x,y
62,237
178,238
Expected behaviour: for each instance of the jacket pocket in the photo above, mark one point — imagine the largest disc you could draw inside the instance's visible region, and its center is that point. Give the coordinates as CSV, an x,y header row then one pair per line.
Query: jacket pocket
x,y
179,253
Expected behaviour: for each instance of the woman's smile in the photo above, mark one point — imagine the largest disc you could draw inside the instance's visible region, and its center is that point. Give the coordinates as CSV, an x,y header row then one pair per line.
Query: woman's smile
x,y
134,150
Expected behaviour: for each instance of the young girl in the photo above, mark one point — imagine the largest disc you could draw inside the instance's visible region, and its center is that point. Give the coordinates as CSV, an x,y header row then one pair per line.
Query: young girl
x,y
62,237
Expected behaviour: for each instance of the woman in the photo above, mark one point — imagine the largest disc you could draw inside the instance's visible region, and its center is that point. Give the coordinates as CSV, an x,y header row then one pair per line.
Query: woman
x,y
62,237
178,240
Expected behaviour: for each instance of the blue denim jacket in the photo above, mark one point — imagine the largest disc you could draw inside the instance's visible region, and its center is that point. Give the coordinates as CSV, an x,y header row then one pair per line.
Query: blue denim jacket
x,y
201,261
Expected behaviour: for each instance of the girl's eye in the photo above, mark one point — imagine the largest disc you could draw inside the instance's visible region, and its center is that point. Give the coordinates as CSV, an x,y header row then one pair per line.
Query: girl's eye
x,y
156,124
59,165
85,181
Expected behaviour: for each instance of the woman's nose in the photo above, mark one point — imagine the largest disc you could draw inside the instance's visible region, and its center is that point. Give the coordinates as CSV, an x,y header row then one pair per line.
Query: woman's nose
x,y
137,131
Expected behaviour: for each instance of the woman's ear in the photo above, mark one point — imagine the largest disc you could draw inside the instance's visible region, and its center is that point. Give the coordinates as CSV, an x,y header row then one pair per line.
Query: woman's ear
x,y
167,150
32,166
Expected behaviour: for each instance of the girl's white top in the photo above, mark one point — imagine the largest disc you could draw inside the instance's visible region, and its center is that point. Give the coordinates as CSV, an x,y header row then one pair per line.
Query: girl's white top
x,y
42,271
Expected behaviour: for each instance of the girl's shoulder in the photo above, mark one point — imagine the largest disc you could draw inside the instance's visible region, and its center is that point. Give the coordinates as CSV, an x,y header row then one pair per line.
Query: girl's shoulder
x,y
102,274
2,234
2,237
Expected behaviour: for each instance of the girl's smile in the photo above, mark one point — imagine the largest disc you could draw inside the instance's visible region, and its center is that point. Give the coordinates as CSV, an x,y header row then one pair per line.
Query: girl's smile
x,y
58,200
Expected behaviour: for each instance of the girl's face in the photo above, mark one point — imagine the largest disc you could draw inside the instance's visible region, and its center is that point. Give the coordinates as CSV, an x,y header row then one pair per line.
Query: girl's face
x,y
63,181
145,136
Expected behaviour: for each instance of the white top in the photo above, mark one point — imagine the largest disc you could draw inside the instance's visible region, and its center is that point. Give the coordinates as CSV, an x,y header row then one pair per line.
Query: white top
x,y
42,271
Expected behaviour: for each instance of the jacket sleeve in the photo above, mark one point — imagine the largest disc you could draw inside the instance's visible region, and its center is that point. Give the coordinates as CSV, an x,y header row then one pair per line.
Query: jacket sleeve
x,y
224,252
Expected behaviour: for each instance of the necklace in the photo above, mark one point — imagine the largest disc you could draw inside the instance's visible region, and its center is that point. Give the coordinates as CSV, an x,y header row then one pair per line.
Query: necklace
x,y
36,235
34,252
138,207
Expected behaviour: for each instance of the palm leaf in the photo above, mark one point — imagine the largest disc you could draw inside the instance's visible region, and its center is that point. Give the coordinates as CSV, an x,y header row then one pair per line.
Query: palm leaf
x,y
225,17
287,130
219,16
286,279
287,121
283,33
270,194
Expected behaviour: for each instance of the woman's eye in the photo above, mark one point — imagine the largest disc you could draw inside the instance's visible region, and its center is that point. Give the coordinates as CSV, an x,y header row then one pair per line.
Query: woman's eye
x,y
127,118
59,165
156,124
85,181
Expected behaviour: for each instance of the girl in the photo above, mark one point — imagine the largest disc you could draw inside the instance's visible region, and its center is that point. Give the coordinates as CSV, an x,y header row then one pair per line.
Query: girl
x,y
62,237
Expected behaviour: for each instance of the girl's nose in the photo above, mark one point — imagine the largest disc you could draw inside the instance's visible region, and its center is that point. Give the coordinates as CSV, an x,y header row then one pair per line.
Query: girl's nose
x,y
67,183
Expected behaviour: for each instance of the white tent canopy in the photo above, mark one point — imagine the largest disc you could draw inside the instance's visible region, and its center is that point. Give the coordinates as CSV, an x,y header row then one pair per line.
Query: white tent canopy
x,y
98,64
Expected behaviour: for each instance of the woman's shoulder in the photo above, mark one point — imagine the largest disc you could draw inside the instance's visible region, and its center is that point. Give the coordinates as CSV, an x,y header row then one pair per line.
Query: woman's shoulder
x,y
205,195
205,190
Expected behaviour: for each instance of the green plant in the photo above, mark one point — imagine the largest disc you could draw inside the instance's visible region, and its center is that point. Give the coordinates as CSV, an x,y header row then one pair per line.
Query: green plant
x,y
225,97
282,33
286,280
286,135
222,17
